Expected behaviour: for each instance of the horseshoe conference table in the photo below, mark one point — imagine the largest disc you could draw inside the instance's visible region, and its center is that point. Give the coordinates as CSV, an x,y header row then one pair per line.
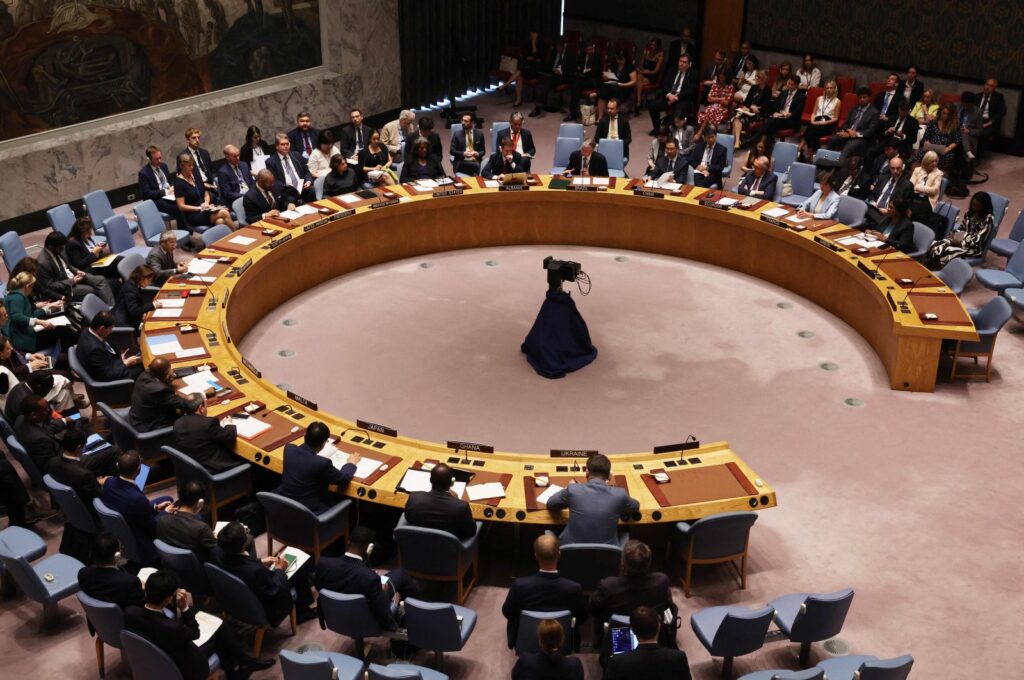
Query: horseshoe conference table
x,y
891,300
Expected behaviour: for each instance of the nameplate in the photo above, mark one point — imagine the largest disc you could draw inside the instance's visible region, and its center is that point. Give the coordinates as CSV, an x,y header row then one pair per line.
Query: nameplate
x,y
869,271
775,221
384,204
379,429
457,191
827,244
300,400
648,193
248,364
284,239
224,331
681,446
714,204
470,446
242,269
514,187
573,453
581,187
341,214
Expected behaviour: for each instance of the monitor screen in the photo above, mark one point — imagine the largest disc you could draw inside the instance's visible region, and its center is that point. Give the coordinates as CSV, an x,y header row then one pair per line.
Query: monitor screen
x,y
623,639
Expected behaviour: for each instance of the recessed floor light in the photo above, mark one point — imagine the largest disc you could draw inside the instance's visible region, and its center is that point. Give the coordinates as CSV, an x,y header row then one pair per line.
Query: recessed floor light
x,y
853,401
286,353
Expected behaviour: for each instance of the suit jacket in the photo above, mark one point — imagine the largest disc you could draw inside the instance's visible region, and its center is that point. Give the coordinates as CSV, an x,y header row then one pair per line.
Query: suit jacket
x,y
131,305
497,165
893,109
348,138
624,134
687,89
796,107
568,64
915,92
867,124
623,594
536,666
678,169
161,262
458,146
298,144
908,129
598,164
79,478
155,404
900,235
207,162
173,636
206,441
307,475
677,48
51,283
409,167
544,592
78,254
767,185
717,164
440,510
254,204
589,69
350,576
903,189
298,164
111,584
39,441
996,108
137,510
649,661
434,142
185,530
594,510
227,182
246,151
525,136
149,185
737,65
270,587
390,136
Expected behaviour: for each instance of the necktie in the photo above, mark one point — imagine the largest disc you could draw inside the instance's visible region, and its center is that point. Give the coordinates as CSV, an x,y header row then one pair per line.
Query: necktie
x,y
883,200
309,143
757,182
678,83
888,98
293,179
161,178
613,128
857,117
199,164
707,155
789,101
515,141
586,162
984,106
359,137
269,198
469,141
671,164
241,182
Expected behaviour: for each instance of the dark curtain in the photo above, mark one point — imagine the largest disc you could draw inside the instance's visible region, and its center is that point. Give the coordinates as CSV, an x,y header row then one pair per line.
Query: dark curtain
x,y
456,43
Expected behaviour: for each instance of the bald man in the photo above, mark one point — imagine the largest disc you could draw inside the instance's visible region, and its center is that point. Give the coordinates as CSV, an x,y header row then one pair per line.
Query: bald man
x,y
266,198
544,591
234,177
155,403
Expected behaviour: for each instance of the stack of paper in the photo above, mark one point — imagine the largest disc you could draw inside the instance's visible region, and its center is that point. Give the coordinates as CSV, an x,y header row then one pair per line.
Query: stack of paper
x,y
172,303
242,240
200,266
60,321
166,313
364,468
548,493
775,212
249,428
492,183
199,381
426,184
727,201
163,344
191,352
415,480
208,625
479,492
349,199
458,488
307,210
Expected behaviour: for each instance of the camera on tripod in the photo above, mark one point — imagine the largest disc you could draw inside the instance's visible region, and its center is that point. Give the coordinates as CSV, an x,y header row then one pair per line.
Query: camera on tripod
x,y
559,271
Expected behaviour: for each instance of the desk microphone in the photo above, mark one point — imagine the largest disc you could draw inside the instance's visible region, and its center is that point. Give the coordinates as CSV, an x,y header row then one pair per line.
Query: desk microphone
x,y
911,289
878,265
576,465
368,442
682,449
210,331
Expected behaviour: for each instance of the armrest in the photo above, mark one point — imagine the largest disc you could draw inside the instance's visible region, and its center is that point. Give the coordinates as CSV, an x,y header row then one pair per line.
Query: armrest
x,y
333,513
469,542
234,472
155,434
112,384
684,528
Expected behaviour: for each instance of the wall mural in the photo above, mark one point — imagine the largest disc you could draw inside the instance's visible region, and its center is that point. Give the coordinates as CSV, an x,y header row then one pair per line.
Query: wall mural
x,y
69,61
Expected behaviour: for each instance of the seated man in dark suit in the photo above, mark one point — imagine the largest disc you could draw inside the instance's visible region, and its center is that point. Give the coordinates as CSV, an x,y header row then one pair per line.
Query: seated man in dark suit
x,y
303,136
859,128
522,139
56,278
207,441
992,107
614,126
266,198
888,189
183,528
203,169
467,149
99,358
70,469
52,386
557,70
40,434
887,102
175,634
307,475
901,130
161,259
594,507
107,580
350,575
634,588
234,177
545,591
121,494
649,660
290,170
266,578
786,109
155,403
759,181
586,162
671,164
708,160
439,508
505,161
356,136
588,73
678,94
426,131
156,182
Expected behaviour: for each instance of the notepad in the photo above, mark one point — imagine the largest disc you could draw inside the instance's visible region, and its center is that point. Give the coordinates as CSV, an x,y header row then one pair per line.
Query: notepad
x,y
426,184
249,428
727,201
479,492
166,313
60,321
307,210
200,266
242,240
170,303
104,261
199,381
191,352
492,183
349,199
549,493
295,559
208,625
415,480
775,212
797,220
171,346
290,214
600,181
364,468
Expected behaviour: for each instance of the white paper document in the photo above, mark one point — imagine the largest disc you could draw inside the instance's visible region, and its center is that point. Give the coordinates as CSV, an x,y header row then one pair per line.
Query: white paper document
x,y
200,266
548,493
727,201
415,480
167,347
145,573
199,381
291,214
249,428
775,212
492,183
797,220
164,313
192,352
426,184
600,181
364,468
582,181
60,320
242,240
349,199
489,490
295,558
458,488
204,279
171,303
208,625
258,163
307,210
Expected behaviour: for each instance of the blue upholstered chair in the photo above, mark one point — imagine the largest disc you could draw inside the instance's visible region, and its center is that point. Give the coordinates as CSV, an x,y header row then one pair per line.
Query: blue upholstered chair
x,y
438,627
185,563
238,207
729,142
216,233
221,488
923,238
572,131
122,337
402,671
801,178
241,604
120,238
529,621
114,523
150,662
23,543
47,582
613,150
97,206
951,213
312,665
865,667
564,146
956,275
588,563
318,187
127,264
349,615
783,156
1015,296
152,223
75,512
106,621
779,674
435,555
811,617
61,218
294,524
852,211
731,631
724,537
1001,279
27,464
496,130
149,445
988,321
13,249
1008,246
117,393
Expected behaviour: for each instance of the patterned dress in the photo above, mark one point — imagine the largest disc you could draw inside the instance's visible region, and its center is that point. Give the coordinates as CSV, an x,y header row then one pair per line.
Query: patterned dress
x,y
933,134
716,114
975,234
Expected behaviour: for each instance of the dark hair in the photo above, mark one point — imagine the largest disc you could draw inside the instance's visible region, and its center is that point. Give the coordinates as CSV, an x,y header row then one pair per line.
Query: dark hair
x,y
793,78
72,439
863,91
441,477
317,435
644,622
141,272
81,225
27,264
160,585
40,382
233,538
986,203
664,130
325,137
303,114
827,177
194,402
102,319
426,123
361,537
336,161
901,206
32,403
128,463
550,637
191,493
55,239
105,547
252,130
598,465
968,98
636,558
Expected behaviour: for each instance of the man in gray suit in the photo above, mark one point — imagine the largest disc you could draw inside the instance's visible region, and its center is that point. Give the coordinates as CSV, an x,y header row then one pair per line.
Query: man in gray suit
x,y
161,258
594,507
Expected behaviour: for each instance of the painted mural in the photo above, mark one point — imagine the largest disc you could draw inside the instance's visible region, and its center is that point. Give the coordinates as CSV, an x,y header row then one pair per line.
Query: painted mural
x,y
68,61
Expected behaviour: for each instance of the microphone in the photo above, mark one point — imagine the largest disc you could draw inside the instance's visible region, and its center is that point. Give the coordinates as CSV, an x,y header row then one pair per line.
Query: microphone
x,y
368,442
576,465
682,450
466,460
911,289
877,273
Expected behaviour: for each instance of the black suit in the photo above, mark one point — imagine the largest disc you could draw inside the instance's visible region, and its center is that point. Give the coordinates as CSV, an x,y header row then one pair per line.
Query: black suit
x,y
887,113
916,90
624,134
678,167
677,48
902,189
440,510
410,168
996,113
271,588
796,109
433,142
101,360
246,152
586,77
526,139
623,594
684,87
296,137
40,442
349,139
131,305
566,63
649,661
544,592
175,637
497,164
155,404
301,172
350,576
596,167
255,204
306,477
539,667
185,530
766,185
149,188
112,584
229,183
206,441
899,235
715,166
863,121
81,479
54,280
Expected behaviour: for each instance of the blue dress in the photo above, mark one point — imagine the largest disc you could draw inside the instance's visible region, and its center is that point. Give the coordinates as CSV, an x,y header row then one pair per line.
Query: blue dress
x,y
193,196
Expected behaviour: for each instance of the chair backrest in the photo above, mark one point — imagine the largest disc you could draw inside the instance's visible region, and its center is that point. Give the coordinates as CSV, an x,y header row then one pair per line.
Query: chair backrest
x,y
571,130
612,150
124,435
301,666
235,597
564,146
187,469
119,234
106,618
810,99
92,305
783,155
942,188
742,632
24,575
74,510
851,211
377,672
188,567
729,142
150,221
496,130
950,212
801,176
721,535
29,465
1017,232
847,104
778,188
288,521
114,522
1015,265
993,316
427,551
588,563
97,205
529,621
146,659
128,264
348,614
846,84
923,236
238,207
956,275
821,616
999,205
318,186
432,625
897,668
13,249
61,218
216,233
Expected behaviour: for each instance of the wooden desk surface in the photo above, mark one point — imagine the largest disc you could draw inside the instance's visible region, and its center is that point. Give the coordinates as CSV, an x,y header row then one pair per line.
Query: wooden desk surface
x,y
785,254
